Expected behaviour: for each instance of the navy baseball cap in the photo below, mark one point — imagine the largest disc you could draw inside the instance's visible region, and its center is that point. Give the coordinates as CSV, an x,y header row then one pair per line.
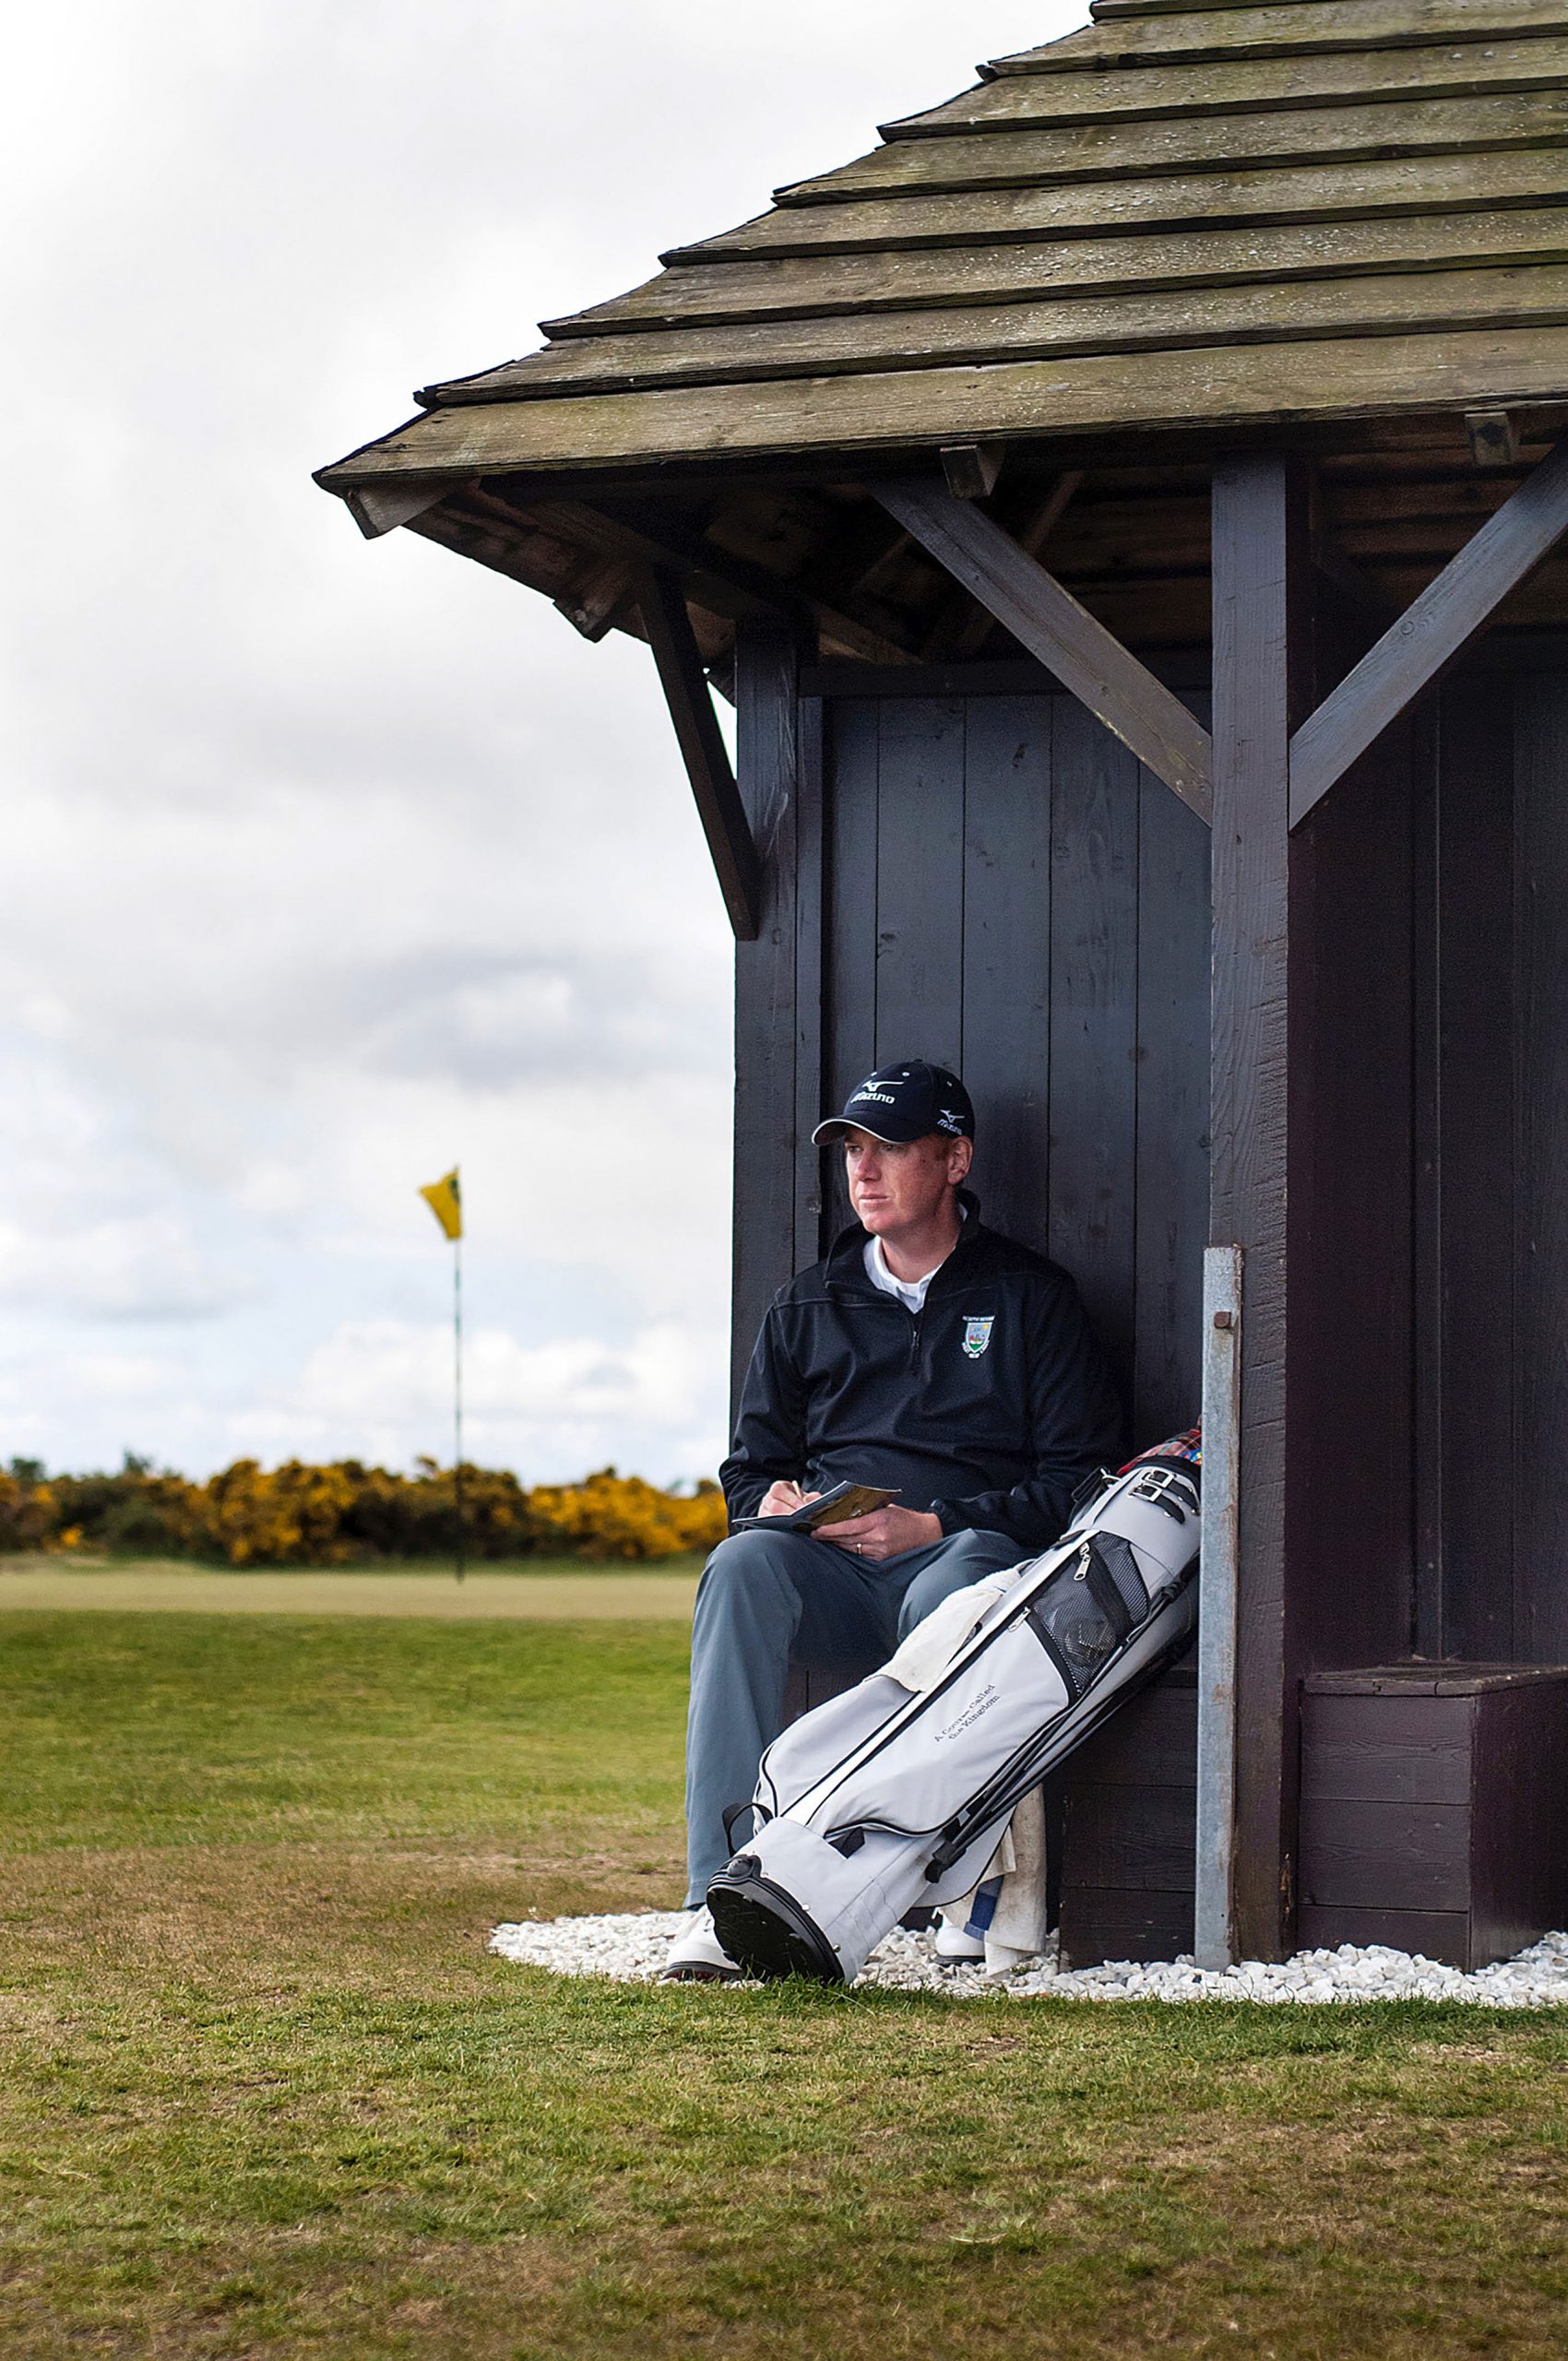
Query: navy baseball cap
x,y
903,1103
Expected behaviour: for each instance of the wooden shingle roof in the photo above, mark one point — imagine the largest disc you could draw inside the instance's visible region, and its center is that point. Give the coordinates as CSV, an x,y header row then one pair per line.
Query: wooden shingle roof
x,y
1180,216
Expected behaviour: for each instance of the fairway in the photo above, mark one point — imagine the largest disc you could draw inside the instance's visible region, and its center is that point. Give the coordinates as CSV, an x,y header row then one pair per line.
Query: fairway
x,y
550,1590
264,2093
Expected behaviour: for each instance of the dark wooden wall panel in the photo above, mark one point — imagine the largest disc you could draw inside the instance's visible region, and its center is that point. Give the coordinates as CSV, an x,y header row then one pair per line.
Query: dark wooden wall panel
x,y
1006,1046
920,882
1172,1196
1541,1356
1352,1193
1470,1185
849,928
1094,1008
1008,891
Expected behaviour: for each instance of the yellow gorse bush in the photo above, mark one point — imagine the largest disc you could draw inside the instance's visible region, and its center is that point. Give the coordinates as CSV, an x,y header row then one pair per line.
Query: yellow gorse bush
x,y
620,1517
344,1513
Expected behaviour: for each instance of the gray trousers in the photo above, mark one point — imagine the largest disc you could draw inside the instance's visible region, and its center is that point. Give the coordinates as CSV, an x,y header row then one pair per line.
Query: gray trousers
x,y
764,1595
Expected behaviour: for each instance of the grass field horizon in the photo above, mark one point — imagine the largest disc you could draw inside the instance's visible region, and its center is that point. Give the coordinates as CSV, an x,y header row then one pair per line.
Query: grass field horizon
x,y
524,1589
264,2091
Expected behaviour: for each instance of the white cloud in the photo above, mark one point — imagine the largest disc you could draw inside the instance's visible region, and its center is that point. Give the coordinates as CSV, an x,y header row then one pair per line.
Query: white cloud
x,y
328,864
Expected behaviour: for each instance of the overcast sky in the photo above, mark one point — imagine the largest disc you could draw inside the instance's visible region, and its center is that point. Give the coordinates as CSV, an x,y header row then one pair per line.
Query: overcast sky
x,y
330,863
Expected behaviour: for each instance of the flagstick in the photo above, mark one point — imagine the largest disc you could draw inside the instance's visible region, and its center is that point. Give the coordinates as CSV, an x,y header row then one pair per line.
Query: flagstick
x,y
457,1390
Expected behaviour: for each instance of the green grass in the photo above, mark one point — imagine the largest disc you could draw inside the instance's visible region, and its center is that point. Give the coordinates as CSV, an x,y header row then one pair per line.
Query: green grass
x,y
531,1590
263,2093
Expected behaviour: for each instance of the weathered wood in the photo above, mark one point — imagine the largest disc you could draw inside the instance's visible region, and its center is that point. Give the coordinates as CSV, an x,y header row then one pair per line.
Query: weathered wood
x,y
962,627
1494,438
810,1013
1126,30
818,287
1409,658
920,882
768,761
1275,84
971,469
1353,378
1108,1922
378,510
1351,1192
1261,555
1094,1013
715,579
1467,1019
1048,621
854,765
1420,184
1540,1240
1172,1194
1007,951
1412,1750
1365,304
1148,1849
720,808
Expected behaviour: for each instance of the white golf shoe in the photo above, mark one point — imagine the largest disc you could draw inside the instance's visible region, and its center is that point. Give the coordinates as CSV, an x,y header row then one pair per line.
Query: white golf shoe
x,y
697,1956
955,1944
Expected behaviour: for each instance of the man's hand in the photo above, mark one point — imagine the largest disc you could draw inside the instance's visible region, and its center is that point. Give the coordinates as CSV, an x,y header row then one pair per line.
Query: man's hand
x,y
886,1533
783,1498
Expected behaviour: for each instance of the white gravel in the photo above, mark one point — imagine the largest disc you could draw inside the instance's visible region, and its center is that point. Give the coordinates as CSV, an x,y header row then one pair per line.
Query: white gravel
x,y
630,1949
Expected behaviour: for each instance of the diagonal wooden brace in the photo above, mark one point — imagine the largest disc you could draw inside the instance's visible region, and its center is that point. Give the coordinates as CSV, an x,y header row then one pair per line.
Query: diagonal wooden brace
x,y
690,701
1444,619
1048,621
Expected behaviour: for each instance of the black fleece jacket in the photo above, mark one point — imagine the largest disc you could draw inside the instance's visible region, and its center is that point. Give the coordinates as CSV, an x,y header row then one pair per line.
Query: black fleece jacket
x,y
989,1408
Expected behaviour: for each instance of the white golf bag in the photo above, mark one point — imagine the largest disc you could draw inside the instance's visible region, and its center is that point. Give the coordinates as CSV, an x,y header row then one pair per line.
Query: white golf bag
x,y
896,1794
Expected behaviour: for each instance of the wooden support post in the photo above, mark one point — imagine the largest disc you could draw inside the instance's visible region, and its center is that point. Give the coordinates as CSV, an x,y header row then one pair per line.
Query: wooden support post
x,y
778,984
703,751
1050,623
1262,567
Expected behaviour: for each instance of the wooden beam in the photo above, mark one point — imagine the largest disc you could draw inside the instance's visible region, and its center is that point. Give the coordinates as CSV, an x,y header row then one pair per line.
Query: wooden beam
x,y
963,628
1260,558
1050,623
378,509
1440,624
972,468
1494,438
720,808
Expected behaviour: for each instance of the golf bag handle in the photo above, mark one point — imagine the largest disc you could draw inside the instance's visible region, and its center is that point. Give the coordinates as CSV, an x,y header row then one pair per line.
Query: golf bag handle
x,y
733,1812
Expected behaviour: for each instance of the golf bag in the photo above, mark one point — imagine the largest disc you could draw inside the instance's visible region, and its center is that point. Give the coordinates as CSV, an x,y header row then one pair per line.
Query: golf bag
x,y
896,1794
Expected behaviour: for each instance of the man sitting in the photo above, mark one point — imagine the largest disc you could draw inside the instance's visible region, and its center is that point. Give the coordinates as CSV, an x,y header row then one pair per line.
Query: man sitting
x,y
927,1356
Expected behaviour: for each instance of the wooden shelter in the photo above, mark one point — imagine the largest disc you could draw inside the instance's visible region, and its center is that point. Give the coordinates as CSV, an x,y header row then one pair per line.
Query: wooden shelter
x,y
1123,507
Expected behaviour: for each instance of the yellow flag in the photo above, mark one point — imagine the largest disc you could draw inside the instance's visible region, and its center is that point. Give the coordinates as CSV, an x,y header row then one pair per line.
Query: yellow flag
x,y
444,1199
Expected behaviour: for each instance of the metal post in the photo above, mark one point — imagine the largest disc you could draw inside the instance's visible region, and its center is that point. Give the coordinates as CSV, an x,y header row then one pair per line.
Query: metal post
x,y
1213,1928
458,1399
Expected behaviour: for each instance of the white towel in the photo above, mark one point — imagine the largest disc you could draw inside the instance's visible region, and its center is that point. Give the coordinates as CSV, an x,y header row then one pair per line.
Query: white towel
x,y
1007,1907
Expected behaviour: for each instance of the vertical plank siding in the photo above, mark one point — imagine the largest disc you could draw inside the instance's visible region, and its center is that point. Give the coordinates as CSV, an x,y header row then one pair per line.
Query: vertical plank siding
x,y
1468,1227
850,928
1171,1180
920,882
985,881
1094,1017
1007,937
1542,1194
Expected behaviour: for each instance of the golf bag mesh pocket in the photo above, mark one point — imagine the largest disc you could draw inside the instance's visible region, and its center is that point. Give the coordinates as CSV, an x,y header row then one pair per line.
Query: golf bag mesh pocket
x,y
1081,1619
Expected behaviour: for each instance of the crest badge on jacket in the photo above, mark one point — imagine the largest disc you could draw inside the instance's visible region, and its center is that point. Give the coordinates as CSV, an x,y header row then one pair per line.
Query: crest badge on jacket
x,y
977,1334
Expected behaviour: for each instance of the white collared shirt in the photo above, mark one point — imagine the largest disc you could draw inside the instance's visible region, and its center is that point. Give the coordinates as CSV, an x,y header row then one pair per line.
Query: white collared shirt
x,y
910,1293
